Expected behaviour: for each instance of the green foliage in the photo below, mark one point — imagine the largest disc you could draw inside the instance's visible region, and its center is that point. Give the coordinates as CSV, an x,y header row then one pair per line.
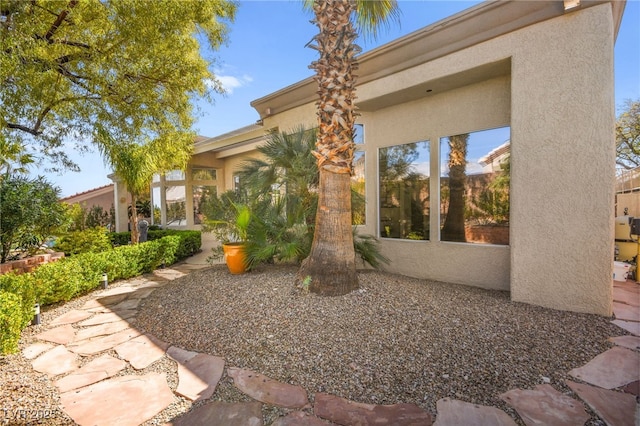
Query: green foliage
x,y
70,277
228,216
366,247
189,241
628,136
128,67
29,214
10,322
281,194
90,240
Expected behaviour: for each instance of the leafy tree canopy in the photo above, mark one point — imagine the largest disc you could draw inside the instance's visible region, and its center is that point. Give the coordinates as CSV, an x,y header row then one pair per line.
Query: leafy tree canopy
x,y
628,136
127,67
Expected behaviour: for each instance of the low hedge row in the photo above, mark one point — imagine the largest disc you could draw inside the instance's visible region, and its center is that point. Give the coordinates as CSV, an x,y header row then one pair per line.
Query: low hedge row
x,y
190,241
72,276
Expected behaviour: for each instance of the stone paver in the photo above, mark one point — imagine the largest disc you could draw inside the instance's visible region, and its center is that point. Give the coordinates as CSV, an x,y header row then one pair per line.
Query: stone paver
x,y
126,305
35,349
611,369
223,413
71,317
632,388
300,418
267,390
615,408
631,326
198,376
345,412
103,301
180,355
143,292
108,317
626,295
101,330
546,406
60,335
629,342
626,312
100,368
452,412
103,343
122,401
123,290
56,361
142,351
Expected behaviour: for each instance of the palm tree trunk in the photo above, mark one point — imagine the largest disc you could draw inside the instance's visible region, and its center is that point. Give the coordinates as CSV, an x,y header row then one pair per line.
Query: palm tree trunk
x,y
453,229
331,263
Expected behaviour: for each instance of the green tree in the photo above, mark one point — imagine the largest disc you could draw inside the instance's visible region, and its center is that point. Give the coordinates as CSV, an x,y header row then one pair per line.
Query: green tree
x,y
29,214
136,163
13,158
331,264
130,67
628,136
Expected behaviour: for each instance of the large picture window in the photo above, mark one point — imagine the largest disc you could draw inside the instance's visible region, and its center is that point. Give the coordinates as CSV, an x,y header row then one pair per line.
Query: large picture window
x,y
404,191
176,205
474,187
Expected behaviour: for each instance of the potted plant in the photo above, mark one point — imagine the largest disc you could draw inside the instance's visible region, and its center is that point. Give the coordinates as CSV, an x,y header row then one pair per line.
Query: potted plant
x,y
230,227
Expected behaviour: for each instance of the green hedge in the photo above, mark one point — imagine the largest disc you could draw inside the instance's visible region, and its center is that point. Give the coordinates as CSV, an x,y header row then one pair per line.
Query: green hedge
x,y
75,275
190,241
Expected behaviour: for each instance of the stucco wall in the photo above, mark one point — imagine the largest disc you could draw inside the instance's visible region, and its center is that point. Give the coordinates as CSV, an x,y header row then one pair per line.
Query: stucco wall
x,y
563,162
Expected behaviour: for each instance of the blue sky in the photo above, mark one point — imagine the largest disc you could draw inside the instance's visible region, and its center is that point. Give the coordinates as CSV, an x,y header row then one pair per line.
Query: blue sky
x,y
266,52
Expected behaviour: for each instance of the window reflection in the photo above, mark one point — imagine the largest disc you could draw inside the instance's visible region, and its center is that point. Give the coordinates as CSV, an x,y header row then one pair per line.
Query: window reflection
x,y
175,205
358,189
202,173
474,187
201,195
404,191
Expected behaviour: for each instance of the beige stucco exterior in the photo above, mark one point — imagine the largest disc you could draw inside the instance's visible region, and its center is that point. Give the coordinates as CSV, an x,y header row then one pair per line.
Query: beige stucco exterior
x,y
545,72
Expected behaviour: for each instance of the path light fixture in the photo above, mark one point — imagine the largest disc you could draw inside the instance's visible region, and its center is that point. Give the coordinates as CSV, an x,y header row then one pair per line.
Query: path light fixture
x,y
36,314
104,280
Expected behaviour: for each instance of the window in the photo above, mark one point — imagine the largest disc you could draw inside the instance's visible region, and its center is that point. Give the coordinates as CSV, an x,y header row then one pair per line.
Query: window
x,y
201,195
202,173
175,205
358,201
404,191
358,134
236,183
157,205
174,175
474,187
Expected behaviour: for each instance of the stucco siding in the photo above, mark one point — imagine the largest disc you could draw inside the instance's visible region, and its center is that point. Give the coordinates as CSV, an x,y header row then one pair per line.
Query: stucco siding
x,y
563,163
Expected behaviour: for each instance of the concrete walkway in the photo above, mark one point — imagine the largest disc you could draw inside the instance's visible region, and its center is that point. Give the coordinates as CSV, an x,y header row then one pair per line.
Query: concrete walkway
x,y
95,394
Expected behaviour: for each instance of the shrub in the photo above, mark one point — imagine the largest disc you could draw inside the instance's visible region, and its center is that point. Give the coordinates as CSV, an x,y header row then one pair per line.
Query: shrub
x,y
190,241
90,240
10,322
69,277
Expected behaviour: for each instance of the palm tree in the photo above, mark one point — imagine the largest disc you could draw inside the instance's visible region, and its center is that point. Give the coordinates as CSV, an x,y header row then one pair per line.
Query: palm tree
x,y
453,228
331,267
136,163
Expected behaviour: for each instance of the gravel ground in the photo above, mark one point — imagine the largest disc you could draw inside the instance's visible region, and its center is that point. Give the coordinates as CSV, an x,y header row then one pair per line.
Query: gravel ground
x,y
397,339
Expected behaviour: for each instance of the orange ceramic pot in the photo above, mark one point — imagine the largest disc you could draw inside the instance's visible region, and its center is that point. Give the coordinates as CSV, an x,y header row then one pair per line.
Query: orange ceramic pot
x,y
235,257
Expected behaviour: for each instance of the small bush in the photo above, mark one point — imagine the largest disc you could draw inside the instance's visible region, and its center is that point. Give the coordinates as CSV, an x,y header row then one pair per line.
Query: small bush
x,y
70,277
11,322
190,241
90,240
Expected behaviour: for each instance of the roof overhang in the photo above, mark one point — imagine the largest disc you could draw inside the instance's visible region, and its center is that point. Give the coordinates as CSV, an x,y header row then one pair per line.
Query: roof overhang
x,y
472,26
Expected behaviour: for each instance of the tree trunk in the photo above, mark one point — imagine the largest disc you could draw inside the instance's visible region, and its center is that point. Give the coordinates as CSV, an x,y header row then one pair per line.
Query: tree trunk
x,y
331,264
453,229
134,220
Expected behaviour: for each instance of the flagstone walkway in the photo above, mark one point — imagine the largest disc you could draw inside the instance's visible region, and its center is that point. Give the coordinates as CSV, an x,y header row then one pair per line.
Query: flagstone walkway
x,y
103,330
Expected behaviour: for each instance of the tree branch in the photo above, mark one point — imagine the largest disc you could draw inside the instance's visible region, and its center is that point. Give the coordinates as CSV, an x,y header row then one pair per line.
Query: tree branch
x,y
59,20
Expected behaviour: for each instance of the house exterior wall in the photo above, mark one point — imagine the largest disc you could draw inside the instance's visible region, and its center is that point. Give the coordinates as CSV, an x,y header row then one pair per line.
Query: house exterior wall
x,y
563,162
552,82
